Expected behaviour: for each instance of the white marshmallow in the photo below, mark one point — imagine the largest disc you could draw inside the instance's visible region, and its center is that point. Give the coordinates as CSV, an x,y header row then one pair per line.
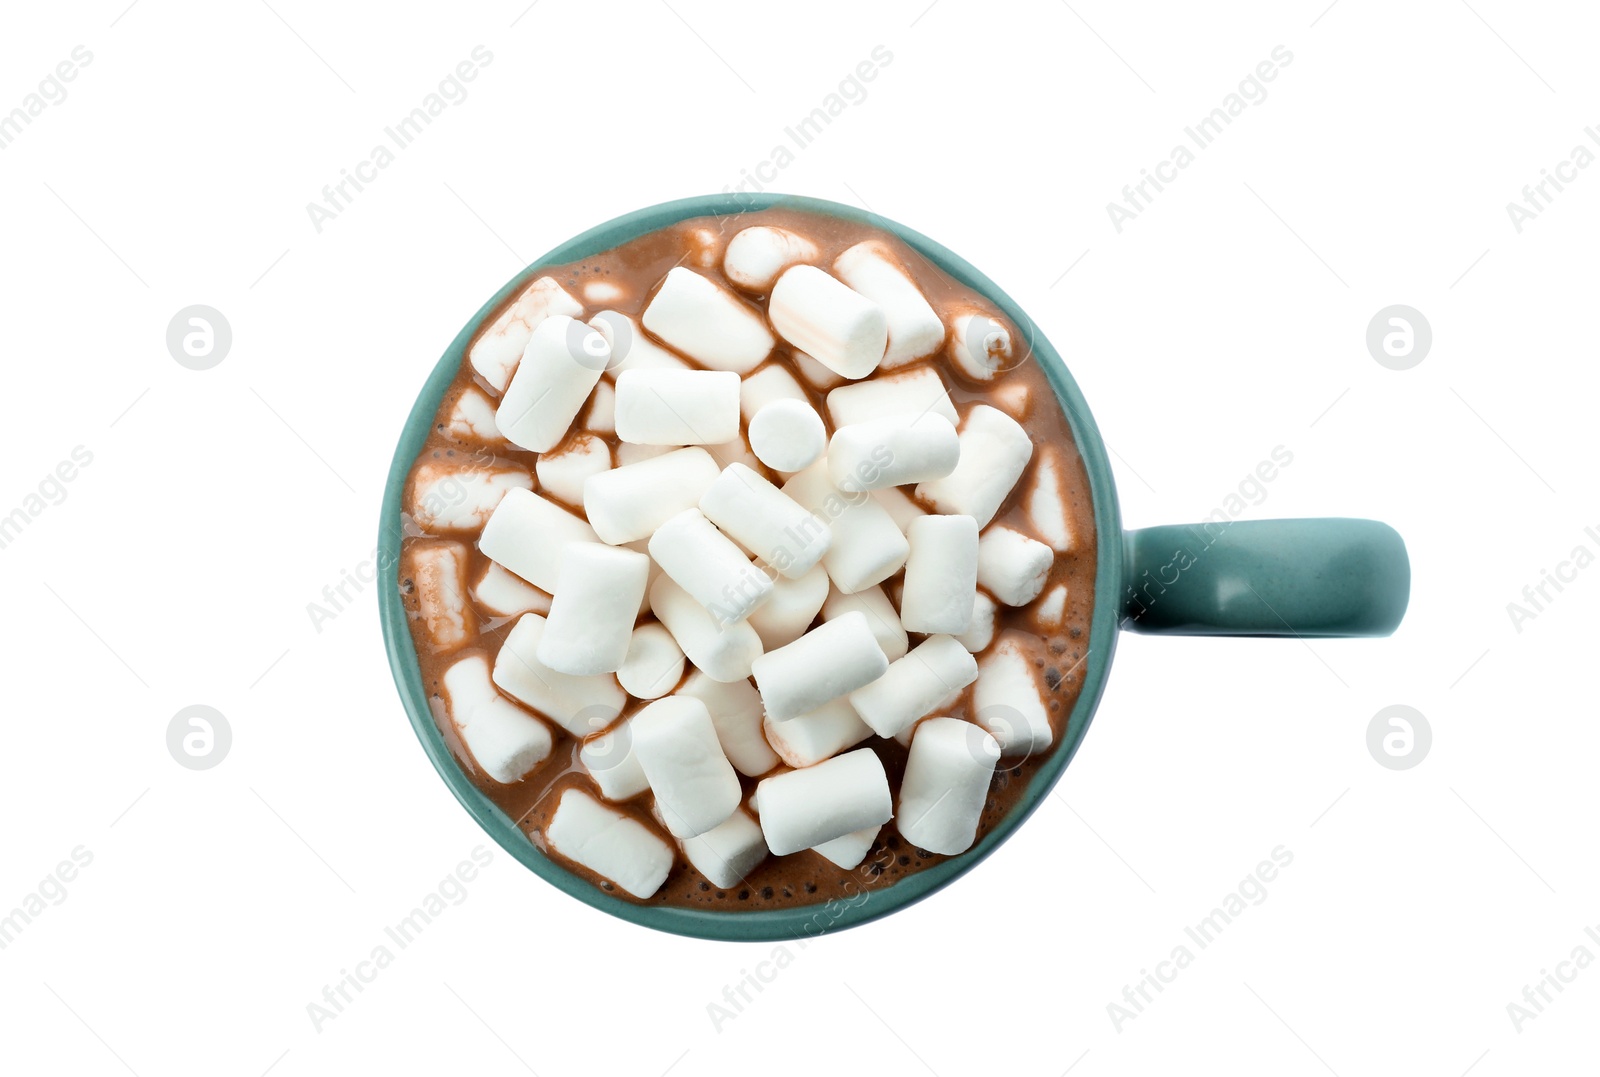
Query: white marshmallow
x,y
610,760
784,617
994,453
706,564
946,783
803,808
677,407
915,331
1047,503
941,575
447,499
559,369
694,784
771,383
628,503
1007,701
494,354
765,520
899,506
755,256
787,435
600,291
654,663
728,852
735,709
631,349
505,594
840,328
1012,566
630,453
505,740
472,418
850,849
981,345
562,473
723,652
602,418
816,375
438,572
592,611
867,547
707,323
833,659
981,632
610,843
893,451
808,739
1051,612
580,705
528,535
910,392
936,669
1015,398
882,618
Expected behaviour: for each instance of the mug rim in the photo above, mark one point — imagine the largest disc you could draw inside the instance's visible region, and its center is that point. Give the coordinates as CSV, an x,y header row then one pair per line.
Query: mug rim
x,y
800,921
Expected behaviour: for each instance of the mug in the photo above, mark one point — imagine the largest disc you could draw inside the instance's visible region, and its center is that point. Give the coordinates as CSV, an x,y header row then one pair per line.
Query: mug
x,y
1305,578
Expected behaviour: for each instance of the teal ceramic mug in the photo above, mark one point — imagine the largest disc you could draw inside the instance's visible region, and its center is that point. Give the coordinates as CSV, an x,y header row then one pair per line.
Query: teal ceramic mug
x,y
1306,578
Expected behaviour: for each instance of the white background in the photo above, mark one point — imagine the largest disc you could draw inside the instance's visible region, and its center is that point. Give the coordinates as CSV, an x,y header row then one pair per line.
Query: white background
x,y
1227,319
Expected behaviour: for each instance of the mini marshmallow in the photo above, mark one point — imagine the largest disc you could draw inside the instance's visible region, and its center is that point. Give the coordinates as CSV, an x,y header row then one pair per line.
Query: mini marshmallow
x,y
494,354
505,740
1007,701
706,564
677,407
981,632
787,435
653,665
1015,398
505,594
729,851
1051,612
892,452
631,349
438,572
840,328
915,685
755,256
1012,566
610,843
994,453
882,618
735,709
580,705
528,535
472,418
810,738
602,291
451,499
628,503
784,617
946,783
1047,503
724,652
562,473
771,383
596,600
915,331
867,547
694,784
941,574
610,760
707,323
833,659
702,246
559,369
768,522
602,417
910,392
980,345
804,808
816,375
899,506
850,849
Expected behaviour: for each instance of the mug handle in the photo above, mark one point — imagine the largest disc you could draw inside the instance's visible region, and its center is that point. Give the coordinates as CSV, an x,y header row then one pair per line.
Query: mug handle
x,y
1308,578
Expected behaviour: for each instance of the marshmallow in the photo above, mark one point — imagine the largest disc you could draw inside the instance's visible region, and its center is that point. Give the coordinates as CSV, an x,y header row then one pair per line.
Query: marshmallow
x,y
899,506
707,323
653,665
867,547
994,452
946,783
771,383
1047,504
729,851
677,407
497,351
771,524
933,671
438,574
580,705
1006,699
1012,566
882,618
915,331
810,738
980,633
816,375
1015,398
735,709
602,418
505,594
706,564
628,503
602,291
630,453
723,651
785,616
610,843
528,535
1051,612
840,328
941,574
803,808
610,760
446,499
850,849
733,452
562,473
559,369
980,345
787,435
911,392
631,349
755,256
833,659
643,547
694,784
596,600
472,418
505,740
702,246
892,452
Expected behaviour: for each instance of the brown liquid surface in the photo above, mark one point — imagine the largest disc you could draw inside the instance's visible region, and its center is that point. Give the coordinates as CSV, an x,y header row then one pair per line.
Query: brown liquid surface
x,y
804,878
